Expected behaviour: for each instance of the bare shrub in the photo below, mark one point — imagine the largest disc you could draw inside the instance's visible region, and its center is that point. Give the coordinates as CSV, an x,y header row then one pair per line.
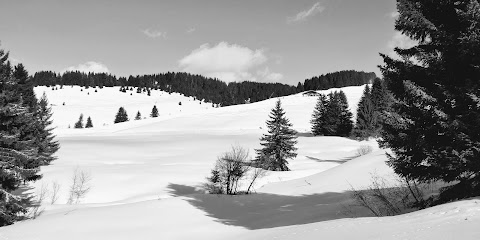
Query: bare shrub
x,y
54,194
257,173
363,150
80,186
229,169
383,198
36,209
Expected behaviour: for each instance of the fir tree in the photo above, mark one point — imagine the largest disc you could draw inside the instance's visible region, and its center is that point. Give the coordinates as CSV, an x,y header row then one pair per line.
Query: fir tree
x,y
345,125
22,149
154,112
138,116
379,96
331,118
318,116
79,123
121,116
89,123
432,128
25,86
366,117
381,101
45,137
279,143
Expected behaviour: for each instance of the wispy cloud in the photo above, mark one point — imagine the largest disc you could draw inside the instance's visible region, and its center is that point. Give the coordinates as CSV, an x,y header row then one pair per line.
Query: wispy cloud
x,y
87,67
154,33
269,76
191,30
394,14
401,41
229,63
303,15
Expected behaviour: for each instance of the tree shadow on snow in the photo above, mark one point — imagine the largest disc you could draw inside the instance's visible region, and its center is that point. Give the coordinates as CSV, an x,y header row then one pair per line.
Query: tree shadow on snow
x,y
258,211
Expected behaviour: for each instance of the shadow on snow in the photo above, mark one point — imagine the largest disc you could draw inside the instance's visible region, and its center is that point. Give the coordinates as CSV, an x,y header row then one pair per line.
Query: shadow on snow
x,y
258,211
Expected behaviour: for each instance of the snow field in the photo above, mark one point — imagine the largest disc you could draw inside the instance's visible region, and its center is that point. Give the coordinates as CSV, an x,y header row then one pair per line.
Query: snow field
x,y
145,176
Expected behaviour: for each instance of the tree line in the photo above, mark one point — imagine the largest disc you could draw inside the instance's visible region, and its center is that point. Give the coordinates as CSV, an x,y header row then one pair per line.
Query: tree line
x,y
337,80
210,89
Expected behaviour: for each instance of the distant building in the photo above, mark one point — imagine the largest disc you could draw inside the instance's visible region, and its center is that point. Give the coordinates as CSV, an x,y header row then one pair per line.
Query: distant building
x,y
310,93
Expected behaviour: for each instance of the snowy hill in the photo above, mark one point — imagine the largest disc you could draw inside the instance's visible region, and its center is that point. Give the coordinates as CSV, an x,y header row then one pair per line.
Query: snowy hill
x,y
145,176
102,104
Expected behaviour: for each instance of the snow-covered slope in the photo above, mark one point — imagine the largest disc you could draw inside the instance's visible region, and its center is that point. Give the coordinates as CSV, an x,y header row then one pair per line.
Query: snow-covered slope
x,y
458,220
145,176
103,105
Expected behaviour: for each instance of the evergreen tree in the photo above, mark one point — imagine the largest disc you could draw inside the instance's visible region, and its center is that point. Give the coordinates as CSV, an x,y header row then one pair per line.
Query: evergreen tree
x,y
379,96
345,125
279,143
138,116
366,117
331,118
432,128
318,116
154,112
79,123
45,137
89,123
25,86
22,150
121,116
381,101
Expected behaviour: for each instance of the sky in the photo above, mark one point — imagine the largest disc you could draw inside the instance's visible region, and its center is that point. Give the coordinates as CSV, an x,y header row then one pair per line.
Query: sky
x,y
264,40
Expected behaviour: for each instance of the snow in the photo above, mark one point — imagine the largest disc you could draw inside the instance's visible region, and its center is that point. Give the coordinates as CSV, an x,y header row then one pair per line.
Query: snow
x,y
146,176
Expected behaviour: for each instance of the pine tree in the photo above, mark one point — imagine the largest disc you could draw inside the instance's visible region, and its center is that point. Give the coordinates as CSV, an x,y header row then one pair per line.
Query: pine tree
x,y
318,115
345,125
121,116
379,96
89,123
25,86
45,137
79,123
138,116
381,101
331,118
279,143
432,127
154,112
366,117
23,148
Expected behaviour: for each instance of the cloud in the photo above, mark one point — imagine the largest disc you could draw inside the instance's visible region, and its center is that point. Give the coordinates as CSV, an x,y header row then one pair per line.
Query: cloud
x,y
15,61
154,33
404,42
269,76
228,62
303,15
87,67
191,30
394,14
401,41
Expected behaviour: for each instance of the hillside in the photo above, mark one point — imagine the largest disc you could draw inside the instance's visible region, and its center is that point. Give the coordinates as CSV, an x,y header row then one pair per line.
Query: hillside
x,y
200,87
102,104
146,177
